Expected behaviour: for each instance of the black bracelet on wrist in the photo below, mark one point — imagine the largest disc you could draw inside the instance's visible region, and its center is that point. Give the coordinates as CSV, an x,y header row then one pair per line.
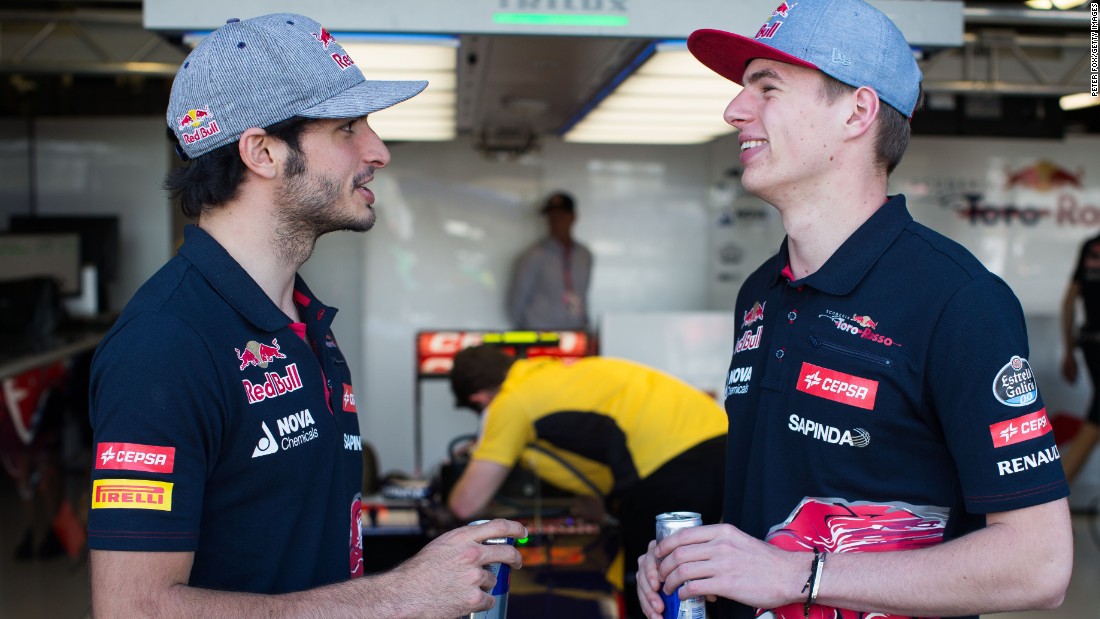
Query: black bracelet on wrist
x,y
814,581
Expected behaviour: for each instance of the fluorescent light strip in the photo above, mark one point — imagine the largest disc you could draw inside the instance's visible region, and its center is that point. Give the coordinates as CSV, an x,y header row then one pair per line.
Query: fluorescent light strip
x,y
550,19
670,99
1078,101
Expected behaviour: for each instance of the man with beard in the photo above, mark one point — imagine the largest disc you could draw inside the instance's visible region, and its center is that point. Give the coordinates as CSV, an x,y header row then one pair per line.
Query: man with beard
x,y
228,465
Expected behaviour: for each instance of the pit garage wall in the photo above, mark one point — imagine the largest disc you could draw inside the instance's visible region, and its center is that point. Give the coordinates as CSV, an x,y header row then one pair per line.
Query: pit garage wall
x,y
671,229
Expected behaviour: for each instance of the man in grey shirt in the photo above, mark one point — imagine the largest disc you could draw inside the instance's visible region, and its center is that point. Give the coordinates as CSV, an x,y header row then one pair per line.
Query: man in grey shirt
x,y
550,283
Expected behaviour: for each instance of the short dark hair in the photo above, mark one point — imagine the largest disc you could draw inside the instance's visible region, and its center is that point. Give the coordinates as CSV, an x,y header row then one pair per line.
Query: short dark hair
x,y
892,127
476,368
559,200
212,179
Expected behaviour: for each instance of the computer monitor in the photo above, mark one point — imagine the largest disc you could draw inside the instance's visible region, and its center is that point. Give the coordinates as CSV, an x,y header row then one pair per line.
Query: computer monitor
x,y
99,242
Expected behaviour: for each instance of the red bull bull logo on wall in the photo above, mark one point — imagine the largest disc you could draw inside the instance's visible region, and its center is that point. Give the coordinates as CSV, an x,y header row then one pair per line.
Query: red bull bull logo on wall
x,y
1040,192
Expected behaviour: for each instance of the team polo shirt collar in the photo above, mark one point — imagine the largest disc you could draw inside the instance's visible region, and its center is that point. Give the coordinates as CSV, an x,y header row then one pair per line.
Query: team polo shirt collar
x,y
240,291
854,258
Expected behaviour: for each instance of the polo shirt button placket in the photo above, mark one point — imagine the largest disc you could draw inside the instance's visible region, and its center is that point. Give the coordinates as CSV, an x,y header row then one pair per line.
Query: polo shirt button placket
x,y
779,352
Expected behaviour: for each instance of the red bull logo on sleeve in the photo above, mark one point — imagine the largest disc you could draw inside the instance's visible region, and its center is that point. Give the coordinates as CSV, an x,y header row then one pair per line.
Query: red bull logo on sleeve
x,y
258,354
132,494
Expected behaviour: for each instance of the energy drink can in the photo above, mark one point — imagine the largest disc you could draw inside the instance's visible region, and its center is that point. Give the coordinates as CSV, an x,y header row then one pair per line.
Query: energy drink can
x,y
675,608
503,572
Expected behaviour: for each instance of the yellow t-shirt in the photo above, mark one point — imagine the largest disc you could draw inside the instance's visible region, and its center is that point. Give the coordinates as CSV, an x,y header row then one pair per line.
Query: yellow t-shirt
x,y
615,421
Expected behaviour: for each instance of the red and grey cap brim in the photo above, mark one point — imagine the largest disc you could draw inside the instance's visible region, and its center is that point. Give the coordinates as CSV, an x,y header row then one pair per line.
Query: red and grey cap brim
x,y
728,54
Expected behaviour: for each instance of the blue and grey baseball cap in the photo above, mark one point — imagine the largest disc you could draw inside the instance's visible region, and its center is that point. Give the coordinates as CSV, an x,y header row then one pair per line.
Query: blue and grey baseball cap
x,y
849,40
260,71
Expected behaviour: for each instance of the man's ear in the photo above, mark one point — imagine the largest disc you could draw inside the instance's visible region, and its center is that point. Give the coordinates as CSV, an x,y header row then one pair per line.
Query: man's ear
x,y
864,106
483,397
260,152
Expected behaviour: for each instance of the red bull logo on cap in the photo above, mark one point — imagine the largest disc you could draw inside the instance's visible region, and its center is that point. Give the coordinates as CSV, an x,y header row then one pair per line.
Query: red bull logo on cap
x,y
258,354
195,118
203,123
325,38
783,9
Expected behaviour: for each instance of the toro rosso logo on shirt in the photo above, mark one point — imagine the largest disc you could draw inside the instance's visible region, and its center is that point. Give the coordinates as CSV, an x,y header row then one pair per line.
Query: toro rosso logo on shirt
x,y
258,354
837,386
1014,384
1020,429
135,457
858,324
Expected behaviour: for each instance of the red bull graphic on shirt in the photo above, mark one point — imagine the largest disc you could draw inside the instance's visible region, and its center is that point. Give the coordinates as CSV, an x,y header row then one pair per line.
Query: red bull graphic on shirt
x,y
837,386
355,539
754,314
836,525
259,355
1014,384
274,385
1020,429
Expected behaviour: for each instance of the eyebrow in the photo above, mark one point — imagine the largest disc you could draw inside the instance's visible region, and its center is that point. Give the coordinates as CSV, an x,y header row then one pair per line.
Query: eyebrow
x,y
763,74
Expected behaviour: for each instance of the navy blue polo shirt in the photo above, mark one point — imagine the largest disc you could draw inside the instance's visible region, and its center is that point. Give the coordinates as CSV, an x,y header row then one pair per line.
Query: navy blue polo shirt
x,y
884,402
223,429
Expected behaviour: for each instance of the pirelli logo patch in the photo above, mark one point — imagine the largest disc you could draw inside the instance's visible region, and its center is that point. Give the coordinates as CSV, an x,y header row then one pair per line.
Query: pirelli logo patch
x,y
1020,429
837,386
132,494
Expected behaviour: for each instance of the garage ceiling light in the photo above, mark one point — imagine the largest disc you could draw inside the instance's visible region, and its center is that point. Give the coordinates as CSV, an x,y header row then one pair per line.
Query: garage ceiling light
x,y
671,98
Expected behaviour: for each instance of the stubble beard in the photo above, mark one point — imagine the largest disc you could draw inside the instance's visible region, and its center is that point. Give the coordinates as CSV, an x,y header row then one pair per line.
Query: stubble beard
x,y
308,208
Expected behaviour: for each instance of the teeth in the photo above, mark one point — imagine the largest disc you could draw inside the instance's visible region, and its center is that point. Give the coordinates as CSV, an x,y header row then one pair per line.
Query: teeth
x,y
751,144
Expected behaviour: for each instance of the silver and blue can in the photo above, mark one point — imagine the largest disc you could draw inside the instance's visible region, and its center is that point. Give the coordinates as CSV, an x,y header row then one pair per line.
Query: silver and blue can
x,y
503,572
675,608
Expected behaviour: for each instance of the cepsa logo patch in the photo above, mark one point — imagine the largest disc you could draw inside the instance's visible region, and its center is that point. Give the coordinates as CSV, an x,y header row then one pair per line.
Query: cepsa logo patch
x,y
1020,429
837,386
349,400
131,494
1014,384
135,457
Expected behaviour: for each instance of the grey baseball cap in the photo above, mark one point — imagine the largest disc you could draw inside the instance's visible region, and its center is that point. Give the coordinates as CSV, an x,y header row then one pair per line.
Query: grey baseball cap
x,y
260,71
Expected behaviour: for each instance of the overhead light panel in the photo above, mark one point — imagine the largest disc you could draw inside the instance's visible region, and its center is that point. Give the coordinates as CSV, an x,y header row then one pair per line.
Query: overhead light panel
x,y
1046,5
1078,101
430,115
671,98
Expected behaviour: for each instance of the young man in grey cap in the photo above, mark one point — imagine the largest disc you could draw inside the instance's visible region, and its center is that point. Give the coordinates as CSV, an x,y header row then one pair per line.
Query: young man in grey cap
x,y
228,459
889,452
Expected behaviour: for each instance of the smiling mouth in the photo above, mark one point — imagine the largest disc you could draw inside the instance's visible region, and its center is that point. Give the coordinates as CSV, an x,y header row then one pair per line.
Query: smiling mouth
x,y
747,144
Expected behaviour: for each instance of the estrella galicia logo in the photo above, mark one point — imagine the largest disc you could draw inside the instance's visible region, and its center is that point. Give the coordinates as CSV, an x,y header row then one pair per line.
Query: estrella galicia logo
x,y
1015,384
